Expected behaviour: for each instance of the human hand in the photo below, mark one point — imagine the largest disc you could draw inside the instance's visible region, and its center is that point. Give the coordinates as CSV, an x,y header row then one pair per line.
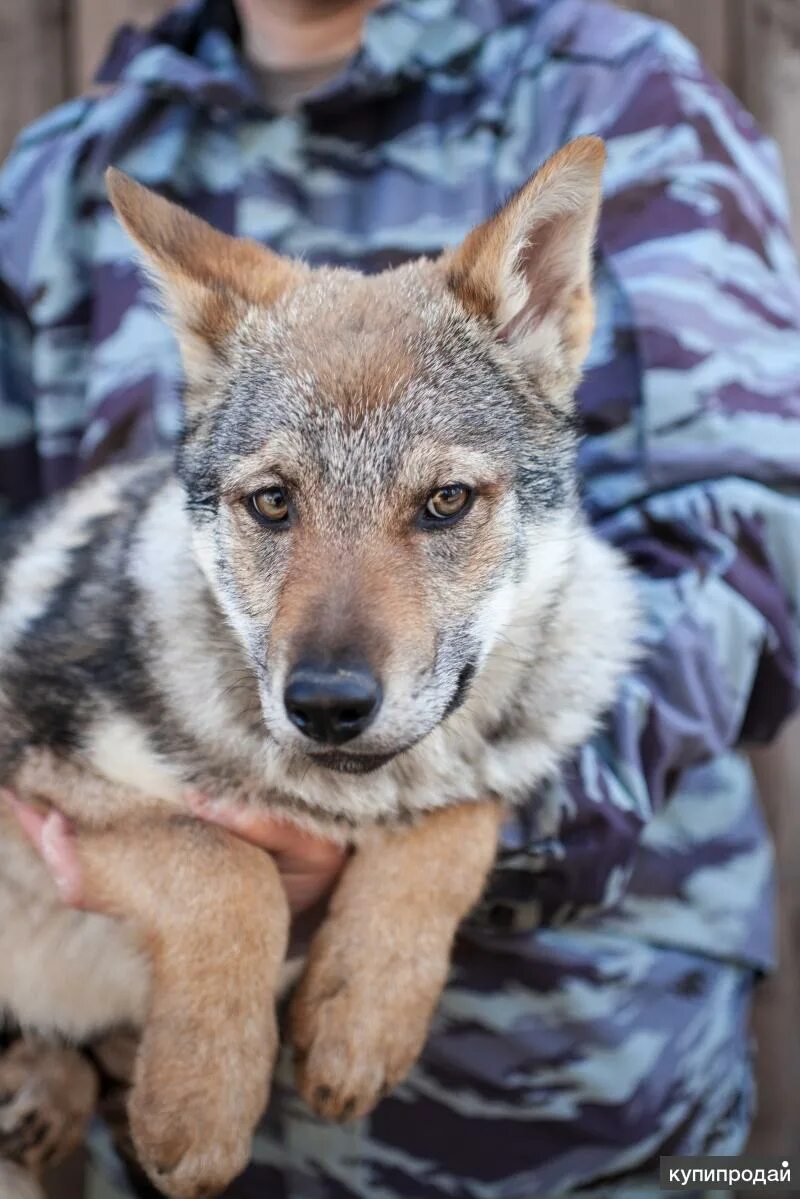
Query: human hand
x,y
309,866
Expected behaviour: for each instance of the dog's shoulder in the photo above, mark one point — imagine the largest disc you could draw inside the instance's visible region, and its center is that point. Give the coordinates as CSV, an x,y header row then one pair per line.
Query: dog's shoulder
x,y
65,602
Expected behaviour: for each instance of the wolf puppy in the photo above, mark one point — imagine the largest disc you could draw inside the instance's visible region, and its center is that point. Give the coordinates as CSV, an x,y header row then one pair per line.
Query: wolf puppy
x,y
366,599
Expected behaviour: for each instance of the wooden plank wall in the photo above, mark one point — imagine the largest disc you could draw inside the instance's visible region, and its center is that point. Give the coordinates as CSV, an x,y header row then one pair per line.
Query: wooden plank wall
x,y
33,61
49,50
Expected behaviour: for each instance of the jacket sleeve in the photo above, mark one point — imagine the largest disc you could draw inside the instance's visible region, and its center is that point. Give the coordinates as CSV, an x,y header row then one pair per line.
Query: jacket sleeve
x,y
18,454
691,405
19,441
44,282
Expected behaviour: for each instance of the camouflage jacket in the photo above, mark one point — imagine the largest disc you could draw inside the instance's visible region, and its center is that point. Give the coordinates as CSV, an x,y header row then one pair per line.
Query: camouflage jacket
x,y
690,405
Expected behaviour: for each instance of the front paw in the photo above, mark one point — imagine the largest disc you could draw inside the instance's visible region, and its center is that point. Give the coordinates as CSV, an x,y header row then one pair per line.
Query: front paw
x,y
360,1018
194,1107
47,1096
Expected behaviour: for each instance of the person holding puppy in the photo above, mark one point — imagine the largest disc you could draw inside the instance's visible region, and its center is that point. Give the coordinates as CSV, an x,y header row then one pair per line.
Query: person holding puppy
x,y
598,1009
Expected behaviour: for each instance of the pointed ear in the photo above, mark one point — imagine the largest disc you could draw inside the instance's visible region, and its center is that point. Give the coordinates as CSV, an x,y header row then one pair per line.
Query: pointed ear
x,y
528,270
207,279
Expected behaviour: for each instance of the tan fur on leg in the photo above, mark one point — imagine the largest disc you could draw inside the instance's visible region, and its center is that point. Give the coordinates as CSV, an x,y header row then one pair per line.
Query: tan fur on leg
x,y
378,964
213,916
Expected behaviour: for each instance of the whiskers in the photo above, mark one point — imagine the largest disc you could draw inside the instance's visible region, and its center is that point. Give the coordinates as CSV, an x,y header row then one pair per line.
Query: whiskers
x,y
240,694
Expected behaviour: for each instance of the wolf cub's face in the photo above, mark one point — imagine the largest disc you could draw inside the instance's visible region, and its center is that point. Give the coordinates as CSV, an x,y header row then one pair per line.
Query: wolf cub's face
x,y
377,481
376,466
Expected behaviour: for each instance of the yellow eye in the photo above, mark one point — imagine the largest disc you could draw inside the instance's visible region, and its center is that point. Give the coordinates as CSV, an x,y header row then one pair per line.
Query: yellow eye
x,y
447,502
270,505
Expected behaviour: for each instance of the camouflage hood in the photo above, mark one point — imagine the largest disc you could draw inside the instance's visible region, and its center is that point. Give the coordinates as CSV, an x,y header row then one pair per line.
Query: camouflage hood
x,y
192,54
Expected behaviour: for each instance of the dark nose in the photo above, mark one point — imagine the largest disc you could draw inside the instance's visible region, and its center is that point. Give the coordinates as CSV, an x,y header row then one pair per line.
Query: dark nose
x,y
331,702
